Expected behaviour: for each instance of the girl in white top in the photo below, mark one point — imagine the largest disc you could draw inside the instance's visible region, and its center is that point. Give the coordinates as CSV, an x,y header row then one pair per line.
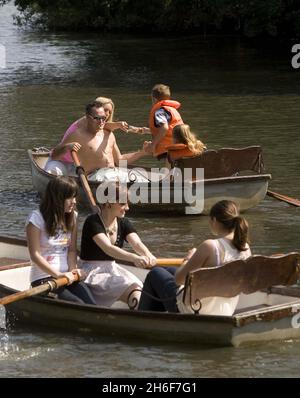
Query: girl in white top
x,y
232,243
51,235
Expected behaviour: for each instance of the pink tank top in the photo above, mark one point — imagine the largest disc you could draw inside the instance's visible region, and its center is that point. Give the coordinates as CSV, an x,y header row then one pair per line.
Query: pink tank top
x,y
67,156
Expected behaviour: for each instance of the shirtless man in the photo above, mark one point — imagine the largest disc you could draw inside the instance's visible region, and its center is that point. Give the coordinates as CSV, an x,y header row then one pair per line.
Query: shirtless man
x,y
98,147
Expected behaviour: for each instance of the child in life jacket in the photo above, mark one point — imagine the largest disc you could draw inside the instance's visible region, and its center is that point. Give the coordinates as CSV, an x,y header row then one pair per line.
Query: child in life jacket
x,y
185,143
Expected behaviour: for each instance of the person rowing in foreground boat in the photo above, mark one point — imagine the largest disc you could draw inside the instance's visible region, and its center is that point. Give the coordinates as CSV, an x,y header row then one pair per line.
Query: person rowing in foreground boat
x,y
51,235
232,243
102,245
97,145
185,143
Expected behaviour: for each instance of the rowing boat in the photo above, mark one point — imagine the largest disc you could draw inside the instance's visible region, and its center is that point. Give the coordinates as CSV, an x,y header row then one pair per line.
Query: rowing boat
x,y
259,316
232,174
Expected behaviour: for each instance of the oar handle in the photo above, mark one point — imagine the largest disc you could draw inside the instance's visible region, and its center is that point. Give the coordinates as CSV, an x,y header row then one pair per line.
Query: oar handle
x,y
81,173
164,262
45,287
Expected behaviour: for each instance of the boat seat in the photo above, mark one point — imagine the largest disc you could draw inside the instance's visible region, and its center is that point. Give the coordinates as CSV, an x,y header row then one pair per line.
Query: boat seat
x,y
224,162
10,263
241,276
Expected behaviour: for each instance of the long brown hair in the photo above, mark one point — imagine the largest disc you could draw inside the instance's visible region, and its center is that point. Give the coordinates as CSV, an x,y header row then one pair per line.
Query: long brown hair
x,y
52,206
182,134
226,212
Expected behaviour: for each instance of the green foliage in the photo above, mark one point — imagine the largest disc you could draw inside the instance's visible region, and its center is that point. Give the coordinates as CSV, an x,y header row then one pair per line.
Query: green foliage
x,y
251,18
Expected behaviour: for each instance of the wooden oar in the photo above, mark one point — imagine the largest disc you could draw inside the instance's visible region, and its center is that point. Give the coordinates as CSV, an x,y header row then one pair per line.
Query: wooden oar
x,y
165,262
46,287
162,262
284,198
81,174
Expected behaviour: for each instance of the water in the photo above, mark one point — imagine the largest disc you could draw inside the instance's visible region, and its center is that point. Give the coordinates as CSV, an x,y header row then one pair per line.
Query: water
x,y
231,95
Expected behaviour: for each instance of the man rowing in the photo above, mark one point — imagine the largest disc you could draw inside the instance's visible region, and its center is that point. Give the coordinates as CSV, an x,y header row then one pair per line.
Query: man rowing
x,y
97,144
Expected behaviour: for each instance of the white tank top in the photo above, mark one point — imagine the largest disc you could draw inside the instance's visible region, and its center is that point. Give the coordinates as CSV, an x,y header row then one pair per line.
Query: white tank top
x,y
225,252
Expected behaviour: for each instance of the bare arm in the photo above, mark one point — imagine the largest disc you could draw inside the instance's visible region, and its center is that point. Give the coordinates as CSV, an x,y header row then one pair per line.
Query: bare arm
x,y
129,157
33,239
138,246
111,126
116,252
61,149
203,256
133,156
162,131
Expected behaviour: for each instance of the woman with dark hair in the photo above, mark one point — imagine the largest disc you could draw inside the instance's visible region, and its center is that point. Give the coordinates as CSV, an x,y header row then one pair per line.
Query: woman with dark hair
x,y
51,235
232,243
102,242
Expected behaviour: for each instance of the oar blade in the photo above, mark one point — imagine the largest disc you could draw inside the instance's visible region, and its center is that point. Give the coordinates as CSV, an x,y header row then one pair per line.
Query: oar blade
x,y
284,198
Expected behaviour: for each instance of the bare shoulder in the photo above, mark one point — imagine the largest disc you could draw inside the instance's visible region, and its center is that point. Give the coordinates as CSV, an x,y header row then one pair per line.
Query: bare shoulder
x,y
205,250
208,244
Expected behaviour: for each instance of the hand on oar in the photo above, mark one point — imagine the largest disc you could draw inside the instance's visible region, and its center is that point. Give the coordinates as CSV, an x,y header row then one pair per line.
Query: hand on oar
x,y
44,288
284,198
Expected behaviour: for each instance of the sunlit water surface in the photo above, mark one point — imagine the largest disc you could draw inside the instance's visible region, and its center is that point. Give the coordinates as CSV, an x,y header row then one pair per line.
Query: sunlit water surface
x,y
232,95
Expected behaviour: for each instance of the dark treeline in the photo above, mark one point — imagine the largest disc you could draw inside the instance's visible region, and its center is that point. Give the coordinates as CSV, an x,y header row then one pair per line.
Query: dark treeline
x,y
250,18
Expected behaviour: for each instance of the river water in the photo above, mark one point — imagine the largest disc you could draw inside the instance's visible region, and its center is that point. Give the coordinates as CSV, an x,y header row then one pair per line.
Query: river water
x,y
232,95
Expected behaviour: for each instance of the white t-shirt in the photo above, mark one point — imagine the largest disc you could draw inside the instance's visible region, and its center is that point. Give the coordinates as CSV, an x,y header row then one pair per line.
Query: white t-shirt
x,y
53,248
161,116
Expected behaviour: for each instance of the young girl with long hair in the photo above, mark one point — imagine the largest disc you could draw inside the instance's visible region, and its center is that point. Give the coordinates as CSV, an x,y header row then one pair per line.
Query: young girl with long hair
x,y
51,235
185,143
102,252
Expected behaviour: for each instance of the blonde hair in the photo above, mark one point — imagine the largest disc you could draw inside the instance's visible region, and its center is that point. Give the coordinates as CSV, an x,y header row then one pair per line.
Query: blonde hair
x,y
104,101
161,92
182,134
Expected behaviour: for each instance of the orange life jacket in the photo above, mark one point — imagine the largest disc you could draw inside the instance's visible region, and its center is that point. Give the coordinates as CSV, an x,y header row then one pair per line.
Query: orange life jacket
x,y
171,107
177,151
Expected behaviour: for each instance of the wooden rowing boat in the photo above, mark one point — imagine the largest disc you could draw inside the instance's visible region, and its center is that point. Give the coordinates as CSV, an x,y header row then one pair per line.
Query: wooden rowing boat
x,y
260,316
226,177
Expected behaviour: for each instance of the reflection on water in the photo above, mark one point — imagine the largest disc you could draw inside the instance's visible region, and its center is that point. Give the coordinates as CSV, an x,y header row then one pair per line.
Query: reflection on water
x,y
232,96
24,353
